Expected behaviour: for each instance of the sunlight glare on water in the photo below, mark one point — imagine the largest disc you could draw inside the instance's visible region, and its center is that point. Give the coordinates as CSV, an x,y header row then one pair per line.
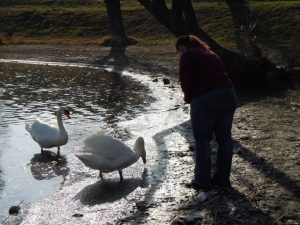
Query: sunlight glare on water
x,y
96,99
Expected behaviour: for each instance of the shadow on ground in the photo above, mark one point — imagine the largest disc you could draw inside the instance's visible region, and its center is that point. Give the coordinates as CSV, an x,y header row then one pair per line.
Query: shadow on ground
x,y
110,190
119,61
227,207
159,169
47,166
266,169
116,58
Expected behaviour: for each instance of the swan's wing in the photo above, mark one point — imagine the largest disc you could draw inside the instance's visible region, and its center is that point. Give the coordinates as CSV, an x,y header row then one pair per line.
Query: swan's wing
x,y
99,163
107,146
43,133
91,140
42,128
105,165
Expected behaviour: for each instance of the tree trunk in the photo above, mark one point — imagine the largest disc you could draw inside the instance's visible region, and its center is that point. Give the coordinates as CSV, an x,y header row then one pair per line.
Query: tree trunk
x,y
119,37
182,20
160,11
176,17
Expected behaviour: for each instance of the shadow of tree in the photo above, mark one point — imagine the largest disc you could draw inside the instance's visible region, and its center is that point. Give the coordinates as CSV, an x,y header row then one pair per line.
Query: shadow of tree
x,y
268,170
116,59
227,207
110,190
160,168
231,206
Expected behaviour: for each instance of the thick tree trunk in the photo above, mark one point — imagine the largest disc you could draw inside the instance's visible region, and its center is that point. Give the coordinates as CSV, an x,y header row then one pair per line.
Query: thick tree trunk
x,y
160,11
176,17
182,20
119,37
191,22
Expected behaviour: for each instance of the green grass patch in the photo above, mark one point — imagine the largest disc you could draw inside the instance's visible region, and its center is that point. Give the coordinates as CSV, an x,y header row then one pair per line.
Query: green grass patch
x,y
85,21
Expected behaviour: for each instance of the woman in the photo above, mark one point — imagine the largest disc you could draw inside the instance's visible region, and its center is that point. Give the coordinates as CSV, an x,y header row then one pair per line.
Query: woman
x,y
209,91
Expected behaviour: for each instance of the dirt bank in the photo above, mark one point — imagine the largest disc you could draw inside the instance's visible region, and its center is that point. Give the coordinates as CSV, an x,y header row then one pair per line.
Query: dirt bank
x,y
266,167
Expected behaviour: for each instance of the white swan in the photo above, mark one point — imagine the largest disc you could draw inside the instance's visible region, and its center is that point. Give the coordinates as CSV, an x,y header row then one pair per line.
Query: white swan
x,y
49,136
108,154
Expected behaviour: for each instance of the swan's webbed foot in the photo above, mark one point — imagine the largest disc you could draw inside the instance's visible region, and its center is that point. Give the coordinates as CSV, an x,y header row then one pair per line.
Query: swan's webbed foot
x,y
100,174
121,176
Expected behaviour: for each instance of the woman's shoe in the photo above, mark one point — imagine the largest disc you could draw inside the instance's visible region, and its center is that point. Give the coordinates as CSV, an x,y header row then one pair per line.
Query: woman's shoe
x,y
198,187
222,184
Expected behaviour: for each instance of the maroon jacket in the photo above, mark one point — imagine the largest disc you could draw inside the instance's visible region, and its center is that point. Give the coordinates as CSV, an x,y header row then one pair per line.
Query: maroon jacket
x,y
201,70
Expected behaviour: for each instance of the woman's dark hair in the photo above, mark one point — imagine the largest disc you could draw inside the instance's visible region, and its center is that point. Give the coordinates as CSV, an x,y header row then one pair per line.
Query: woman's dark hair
x,y
190,41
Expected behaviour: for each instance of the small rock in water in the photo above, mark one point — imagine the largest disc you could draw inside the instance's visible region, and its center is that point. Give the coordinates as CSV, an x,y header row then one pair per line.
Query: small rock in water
x,y
155,80
166,81
77,215
14,210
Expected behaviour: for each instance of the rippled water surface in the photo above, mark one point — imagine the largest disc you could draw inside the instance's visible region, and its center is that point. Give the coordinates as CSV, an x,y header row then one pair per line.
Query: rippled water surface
x,y
96,99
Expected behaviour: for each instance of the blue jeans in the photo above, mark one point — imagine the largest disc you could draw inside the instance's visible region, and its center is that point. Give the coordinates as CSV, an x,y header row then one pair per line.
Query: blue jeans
x,y
213,112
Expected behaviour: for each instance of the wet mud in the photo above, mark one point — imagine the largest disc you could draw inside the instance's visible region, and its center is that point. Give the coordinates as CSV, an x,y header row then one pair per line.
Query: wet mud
x,y
266,167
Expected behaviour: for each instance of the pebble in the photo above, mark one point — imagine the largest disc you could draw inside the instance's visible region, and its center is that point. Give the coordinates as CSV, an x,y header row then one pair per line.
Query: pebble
x,y
166,81
201,197
77,215
14,210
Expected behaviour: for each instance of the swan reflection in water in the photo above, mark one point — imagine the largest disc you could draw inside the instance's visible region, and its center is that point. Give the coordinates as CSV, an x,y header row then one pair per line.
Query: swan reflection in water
x,y
47,166
110,190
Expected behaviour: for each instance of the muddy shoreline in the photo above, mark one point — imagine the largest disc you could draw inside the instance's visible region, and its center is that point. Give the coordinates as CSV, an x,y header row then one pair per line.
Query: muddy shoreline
x,y
266,167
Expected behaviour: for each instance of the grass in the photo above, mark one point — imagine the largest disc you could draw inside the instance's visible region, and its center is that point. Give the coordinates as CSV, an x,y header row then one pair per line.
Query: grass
x,y
80,21
278,24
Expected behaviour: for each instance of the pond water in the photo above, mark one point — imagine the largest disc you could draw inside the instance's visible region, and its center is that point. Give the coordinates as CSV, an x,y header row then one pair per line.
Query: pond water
x,y
96,99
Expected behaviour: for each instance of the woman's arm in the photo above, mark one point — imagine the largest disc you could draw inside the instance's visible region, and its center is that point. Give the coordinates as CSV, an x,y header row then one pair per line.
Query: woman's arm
x,y
186,75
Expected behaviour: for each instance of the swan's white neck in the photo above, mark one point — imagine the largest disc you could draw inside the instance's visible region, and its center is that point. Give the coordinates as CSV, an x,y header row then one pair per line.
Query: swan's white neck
x,y
137,154
59,122
138,150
